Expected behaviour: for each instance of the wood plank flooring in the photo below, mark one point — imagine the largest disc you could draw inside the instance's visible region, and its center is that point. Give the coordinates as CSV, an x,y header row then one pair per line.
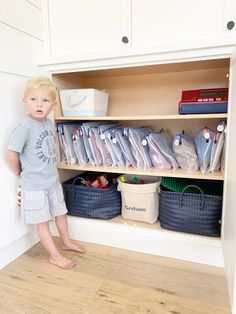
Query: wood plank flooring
x,y
109,280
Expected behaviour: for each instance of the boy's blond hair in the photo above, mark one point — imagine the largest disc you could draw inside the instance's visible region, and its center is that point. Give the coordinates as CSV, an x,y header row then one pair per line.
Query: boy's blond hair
x,y
40,82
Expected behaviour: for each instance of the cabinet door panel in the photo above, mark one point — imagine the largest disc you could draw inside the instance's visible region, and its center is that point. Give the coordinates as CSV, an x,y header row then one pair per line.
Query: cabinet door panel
x,y
155,23
229,217
78,26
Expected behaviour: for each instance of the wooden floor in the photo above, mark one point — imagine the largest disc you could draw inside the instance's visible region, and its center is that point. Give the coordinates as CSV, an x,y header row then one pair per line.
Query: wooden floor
x,y
109,280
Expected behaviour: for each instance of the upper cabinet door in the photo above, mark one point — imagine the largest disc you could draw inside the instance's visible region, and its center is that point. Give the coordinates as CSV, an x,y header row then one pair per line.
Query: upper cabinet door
x,y
156,23
118,27
229,215
77,27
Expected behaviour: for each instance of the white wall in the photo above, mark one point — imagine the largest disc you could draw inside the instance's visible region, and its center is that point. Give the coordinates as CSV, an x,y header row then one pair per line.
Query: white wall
x,y
21,48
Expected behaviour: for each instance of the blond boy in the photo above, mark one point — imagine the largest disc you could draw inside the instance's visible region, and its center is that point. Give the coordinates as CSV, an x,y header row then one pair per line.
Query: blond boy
x,y
31,155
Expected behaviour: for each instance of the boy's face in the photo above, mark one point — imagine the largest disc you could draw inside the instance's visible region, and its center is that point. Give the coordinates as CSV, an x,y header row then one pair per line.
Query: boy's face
x,y
39,103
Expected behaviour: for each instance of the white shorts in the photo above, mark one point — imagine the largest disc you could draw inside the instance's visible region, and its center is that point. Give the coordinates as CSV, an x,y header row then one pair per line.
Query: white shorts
x,y
41,206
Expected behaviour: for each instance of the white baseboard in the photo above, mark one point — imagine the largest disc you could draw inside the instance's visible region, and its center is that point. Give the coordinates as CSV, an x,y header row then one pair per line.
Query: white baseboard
x,y
160,242
19,244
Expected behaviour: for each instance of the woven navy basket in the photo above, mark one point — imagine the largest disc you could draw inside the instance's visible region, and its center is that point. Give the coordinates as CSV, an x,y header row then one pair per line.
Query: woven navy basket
x,y
190,212
91,202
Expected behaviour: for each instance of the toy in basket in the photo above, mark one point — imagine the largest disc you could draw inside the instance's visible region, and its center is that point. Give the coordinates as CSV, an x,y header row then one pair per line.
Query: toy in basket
x,y
86,197
140,199
194,212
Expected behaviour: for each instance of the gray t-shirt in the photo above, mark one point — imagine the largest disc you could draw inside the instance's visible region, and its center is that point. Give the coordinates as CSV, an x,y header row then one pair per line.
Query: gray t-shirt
x,y
35,142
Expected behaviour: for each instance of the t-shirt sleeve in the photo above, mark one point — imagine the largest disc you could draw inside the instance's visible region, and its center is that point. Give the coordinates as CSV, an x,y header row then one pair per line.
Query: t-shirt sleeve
x,y
18,139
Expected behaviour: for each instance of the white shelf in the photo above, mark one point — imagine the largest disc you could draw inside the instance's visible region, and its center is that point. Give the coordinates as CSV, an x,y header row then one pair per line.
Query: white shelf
x,y
146,117
179,173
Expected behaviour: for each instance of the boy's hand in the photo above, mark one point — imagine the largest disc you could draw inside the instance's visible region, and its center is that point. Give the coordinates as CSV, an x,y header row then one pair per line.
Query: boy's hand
x,y
13,162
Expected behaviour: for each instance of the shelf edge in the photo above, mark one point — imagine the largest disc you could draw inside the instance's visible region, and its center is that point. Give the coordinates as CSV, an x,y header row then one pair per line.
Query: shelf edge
x,y
147,117
179,173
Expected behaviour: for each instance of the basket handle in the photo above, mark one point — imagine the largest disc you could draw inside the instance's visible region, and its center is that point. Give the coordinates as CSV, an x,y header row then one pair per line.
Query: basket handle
x,y
196,187
77,178
73,185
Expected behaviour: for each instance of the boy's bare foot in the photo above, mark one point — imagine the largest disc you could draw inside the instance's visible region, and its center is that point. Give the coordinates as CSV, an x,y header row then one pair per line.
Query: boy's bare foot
x,y
70,246
62,262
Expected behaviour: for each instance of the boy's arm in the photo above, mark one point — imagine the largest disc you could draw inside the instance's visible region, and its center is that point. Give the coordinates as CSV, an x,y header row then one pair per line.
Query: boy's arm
x,y
13,162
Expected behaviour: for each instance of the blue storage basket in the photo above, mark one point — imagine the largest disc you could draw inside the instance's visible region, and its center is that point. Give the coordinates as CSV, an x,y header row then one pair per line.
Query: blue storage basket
x,y
91,202
190,212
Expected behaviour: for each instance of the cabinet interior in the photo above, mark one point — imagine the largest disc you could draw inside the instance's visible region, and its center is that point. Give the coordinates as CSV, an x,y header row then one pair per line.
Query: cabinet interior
x,y
151,90
147,91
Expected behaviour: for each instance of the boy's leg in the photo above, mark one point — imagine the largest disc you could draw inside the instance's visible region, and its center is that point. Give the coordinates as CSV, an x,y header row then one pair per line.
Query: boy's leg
x,y
54,256
62,226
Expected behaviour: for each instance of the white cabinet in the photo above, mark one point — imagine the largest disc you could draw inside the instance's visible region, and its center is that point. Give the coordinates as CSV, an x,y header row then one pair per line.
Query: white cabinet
x,y
149,94
156,23
172,46
116,27
78,26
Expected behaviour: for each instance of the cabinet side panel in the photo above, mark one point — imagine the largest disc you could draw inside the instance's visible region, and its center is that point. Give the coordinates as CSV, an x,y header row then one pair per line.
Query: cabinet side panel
x,y
67,81
229,217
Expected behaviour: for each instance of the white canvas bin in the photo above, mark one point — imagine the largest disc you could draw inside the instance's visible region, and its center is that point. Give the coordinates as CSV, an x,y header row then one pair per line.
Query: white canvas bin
x,y
83,102
140,202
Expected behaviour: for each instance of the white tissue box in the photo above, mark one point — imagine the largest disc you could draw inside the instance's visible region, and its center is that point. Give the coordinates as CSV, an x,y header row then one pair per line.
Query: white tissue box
x,y
83,102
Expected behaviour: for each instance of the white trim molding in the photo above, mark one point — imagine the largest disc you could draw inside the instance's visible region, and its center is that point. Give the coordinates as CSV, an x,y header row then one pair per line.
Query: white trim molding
x,y
160,242
16,243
